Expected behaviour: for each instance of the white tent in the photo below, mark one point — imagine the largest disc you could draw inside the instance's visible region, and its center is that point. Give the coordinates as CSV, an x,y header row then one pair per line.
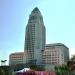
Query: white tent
x,y
23,70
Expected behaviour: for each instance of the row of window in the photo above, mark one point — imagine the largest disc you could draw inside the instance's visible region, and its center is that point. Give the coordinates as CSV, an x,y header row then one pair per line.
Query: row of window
x,y
17,57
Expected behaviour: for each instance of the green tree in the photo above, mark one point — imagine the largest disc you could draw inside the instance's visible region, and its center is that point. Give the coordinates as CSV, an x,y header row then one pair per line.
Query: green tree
x,y
2,72
37,67
62,70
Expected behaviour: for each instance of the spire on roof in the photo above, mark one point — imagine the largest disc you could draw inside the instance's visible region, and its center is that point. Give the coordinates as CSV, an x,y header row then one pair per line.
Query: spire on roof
x,y
35,9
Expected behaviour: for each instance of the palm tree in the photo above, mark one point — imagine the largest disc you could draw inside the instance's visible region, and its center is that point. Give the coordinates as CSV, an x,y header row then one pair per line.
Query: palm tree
x,y
3,62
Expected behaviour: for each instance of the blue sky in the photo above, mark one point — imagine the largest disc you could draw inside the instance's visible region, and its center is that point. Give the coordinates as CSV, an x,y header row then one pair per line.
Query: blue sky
x,y
59,20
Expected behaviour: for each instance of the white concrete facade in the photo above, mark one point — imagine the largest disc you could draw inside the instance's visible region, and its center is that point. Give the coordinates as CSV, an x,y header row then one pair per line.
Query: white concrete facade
x,y
35,37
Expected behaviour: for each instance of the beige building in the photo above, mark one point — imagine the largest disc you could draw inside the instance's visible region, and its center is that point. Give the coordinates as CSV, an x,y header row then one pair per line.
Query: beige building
x,y
56,54
16,58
